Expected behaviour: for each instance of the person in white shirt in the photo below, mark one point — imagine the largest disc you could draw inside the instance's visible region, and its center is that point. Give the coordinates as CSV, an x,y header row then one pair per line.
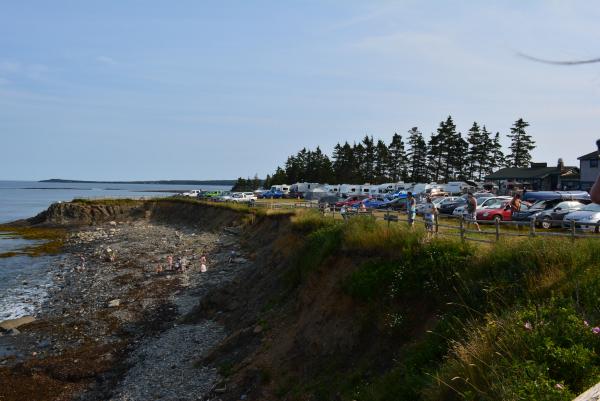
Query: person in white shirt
x,y
430,212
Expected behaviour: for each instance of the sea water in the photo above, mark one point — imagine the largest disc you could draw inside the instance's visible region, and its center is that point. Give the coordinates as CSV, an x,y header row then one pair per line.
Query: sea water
x,y
25,280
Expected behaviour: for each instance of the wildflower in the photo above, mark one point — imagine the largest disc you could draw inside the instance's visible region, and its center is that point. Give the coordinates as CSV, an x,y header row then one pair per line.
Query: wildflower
x,y
585,322
596,330
559,386
529,326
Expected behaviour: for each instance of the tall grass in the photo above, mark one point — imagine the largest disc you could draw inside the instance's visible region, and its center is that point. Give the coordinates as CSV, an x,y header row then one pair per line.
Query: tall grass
x,y
510,316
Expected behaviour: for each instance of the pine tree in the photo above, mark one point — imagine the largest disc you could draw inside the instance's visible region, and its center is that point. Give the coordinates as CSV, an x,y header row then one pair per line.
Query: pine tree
x,y
497,158
480,146
279,177
267,183
398,162
382,162
368,160
521,145
417,156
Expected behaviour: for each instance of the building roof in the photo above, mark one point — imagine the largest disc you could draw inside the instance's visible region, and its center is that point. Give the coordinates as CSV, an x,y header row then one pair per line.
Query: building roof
x,y
593,155
528,173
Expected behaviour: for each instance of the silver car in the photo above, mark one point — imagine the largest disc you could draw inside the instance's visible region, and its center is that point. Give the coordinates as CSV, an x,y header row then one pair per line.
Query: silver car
x,y
588,214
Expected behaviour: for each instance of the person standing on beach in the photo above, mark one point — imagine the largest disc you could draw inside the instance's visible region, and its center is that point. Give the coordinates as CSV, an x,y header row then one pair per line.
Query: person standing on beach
x,y
203,264
411,209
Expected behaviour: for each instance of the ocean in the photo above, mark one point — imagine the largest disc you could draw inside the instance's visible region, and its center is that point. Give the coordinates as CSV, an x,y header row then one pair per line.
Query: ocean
x,y
24,280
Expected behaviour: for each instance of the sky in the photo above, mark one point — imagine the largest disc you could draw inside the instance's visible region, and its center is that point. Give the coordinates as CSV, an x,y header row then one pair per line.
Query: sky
x,y
142,90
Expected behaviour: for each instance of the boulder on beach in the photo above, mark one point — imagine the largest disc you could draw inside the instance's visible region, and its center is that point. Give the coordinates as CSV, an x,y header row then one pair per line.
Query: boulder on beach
x,y
15,323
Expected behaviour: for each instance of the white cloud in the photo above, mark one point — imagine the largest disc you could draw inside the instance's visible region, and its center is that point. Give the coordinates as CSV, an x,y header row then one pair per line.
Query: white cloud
x,y
106,60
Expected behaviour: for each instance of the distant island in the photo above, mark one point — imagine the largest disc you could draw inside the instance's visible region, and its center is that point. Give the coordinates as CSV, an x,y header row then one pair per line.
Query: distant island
x,y
161,182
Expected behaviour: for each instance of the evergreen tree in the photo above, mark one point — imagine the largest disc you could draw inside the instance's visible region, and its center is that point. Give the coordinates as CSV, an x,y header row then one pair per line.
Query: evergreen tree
x,y
279,177
267,183
358,171
417,156
457,158
382,162
398,162
521,145
344,163
368,160
480,148
497,158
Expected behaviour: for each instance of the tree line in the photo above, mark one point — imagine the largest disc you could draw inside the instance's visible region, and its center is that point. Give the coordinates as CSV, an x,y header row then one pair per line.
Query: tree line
x,y
447,155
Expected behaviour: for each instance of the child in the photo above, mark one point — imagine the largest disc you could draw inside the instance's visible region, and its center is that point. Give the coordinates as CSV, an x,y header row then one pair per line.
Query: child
x,y
203,264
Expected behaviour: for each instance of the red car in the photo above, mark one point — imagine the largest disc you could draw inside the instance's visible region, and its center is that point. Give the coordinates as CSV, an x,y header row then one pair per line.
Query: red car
x,y
351,201
500,213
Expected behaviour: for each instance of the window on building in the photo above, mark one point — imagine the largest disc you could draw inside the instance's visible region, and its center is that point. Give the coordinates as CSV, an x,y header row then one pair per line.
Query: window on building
x,y
594,163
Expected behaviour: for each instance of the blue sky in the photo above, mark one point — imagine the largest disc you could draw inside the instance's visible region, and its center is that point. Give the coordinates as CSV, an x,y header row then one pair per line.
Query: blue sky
x,y
202,90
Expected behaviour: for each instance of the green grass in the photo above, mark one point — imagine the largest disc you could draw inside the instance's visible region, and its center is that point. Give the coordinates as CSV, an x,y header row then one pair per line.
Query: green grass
x,y
479,299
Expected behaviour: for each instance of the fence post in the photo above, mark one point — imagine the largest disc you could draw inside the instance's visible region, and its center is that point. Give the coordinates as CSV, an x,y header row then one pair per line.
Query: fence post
x,y
532,227
462,228
497,224
573,230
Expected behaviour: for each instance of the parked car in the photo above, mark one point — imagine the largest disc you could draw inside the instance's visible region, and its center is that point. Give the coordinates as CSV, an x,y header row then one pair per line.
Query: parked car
x,y
193,193
498,211
537,207
273,194
437,202
587,214
553,217
534,196
394,204
351,200
481,203
243,197
448,208
370,203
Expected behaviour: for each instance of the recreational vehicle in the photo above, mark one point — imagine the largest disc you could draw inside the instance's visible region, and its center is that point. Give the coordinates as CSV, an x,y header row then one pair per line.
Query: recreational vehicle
x,y
346,190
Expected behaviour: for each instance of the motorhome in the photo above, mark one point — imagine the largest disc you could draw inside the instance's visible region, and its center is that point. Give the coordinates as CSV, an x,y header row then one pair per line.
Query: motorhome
x,y
333,188
346,190
457,187
368,189
302,187
386,188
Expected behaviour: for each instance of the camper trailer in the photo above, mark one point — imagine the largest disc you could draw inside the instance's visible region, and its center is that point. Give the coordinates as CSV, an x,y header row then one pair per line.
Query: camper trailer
x,y
303,187
281,188
386,188
368,189
457,187
333,189
346,190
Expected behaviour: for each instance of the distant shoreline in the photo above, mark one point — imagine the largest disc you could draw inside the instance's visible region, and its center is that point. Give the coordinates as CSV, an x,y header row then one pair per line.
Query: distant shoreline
x,y
160,182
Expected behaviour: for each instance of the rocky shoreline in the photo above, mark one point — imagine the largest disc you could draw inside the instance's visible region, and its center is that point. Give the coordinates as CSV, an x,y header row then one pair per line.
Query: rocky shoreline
x,y
114,326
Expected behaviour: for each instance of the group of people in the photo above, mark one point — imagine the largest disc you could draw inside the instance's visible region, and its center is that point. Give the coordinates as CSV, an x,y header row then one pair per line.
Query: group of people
x,y
180,264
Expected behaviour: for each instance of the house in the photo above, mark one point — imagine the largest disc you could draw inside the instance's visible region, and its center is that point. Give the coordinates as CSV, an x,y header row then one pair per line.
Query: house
x,y
589,170
537,177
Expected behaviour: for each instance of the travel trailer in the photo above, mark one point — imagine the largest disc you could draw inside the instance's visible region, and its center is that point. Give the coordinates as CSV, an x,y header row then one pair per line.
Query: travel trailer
x,y
346,190
302,187
281,188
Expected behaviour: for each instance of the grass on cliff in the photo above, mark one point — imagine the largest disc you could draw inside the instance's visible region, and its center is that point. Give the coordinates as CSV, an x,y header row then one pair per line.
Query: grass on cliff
x,y
510,321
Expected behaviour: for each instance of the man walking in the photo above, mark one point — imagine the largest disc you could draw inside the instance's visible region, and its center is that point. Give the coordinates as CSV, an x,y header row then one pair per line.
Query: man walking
x,y
471,211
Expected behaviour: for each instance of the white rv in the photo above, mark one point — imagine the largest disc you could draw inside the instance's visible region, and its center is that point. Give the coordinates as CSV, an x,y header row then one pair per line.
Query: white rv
x,y
386,188
349,190
283,188
368,189
302,187
457,187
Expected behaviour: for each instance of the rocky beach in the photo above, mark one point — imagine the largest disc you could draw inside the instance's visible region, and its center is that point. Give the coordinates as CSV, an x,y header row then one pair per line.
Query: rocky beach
x,y
114,324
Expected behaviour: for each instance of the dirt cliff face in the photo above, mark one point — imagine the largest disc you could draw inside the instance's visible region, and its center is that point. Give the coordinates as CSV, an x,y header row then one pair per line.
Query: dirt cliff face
x,y
87,213
81,214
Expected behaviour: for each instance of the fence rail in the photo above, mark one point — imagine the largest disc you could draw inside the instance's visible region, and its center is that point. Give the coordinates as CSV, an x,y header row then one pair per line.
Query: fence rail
x,y
461,227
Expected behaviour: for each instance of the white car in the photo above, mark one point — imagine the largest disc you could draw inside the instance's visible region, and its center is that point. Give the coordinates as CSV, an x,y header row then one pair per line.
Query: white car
x,y
482,203
192,193
242,197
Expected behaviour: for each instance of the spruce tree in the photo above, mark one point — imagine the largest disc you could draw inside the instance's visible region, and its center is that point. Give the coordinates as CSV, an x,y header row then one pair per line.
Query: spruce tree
x,y
417,156
382,162
398,162
521,145
497,158
368,161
